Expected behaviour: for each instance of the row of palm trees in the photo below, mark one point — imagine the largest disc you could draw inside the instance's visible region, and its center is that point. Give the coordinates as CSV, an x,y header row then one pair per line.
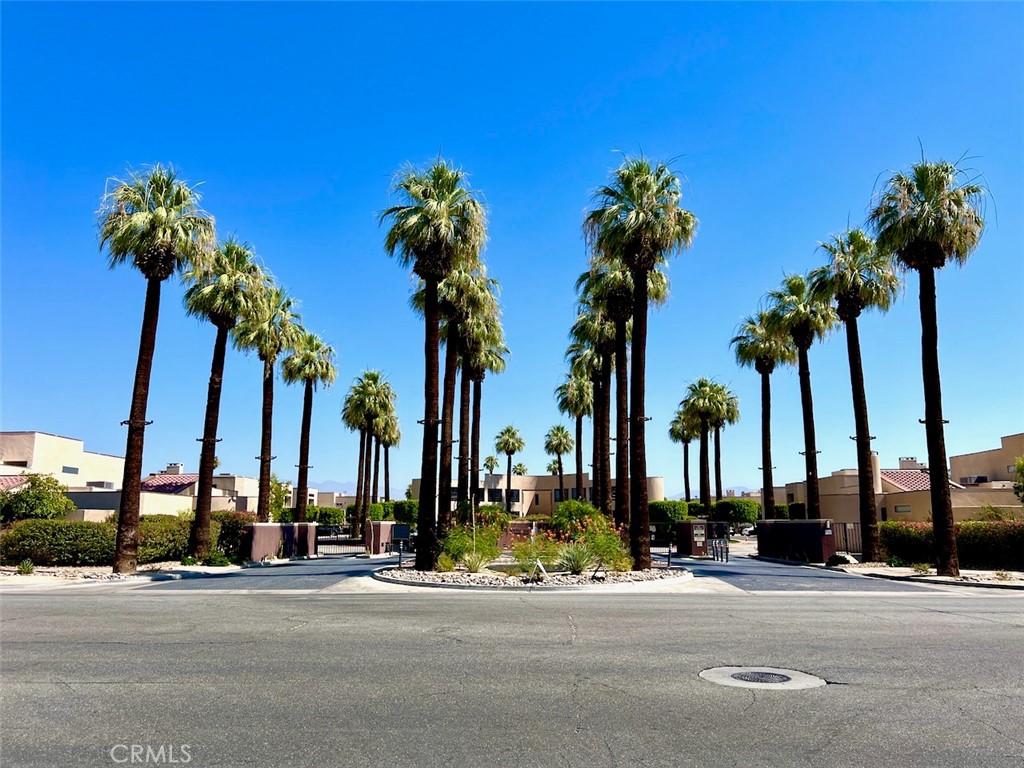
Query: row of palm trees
x,y
438,229
704,412
153,222
921,221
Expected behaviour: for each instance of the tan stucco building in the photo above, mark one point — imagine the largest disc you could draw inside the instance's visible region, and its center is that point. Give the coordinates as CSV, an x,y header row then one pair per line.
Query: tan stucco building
x,y
63,458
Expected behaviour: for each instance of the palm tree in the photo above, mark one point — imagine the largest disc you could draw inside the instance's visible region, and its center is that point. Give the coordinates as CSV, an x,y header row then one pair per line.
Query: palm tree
x,y
729,414
270,327
794,311
311,362
509,442
556,442
553,467
856,278
491,464
437,220
390,437
369,403
575,397
153,222
639,219
220,292
759,344
703,406
925,219
682,429
520,470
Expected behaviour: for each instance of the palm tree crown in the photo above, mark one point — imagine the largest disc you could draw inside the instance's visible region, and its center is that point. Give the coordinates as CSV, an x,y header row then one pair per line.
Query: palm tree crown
x,y
509,441
154,221
759,343
796,312
519,469
310,360
491,464
857,276
270,324
222,289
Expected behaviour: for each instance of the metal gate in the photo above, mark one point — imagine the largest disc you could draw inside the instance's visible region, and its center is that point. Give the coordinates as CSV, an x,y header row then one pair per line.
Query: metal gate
x,y
335,544
847,538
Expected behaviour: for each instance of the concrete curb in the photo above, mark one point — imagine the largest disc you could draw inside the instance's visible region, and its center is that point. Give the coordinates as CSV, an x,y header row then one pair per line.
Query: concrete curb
x,y
684,575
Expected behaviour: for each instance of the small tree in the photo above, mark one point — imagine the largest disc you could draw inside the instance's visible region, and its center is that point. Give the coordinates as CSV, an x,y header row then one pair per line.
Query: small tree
x,y
279,493
40,496
1018,485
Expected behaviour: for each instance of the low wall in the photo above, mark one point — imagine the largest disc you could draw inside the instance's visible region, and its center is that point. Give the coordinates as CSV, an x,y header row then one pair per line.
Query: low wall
x,y
270,540
809,541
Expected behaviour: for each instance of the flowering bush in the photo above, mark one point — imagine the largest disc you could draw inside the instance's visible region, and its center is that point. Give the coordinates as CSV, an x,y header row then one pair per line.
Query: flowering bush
x,y
980,543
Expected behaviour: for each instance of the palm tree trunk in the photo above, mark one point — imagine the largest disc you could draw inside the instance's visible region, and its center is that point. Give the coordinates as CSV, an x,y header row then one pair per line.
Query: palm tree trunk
x,y
387,473
199,535
508,486
263,503
597,420
367,461
359,482
474,459
376,469
767,482
561,479
426,544
606,433
718,464
686,469
639,516
946,556
462,492
302,483
127,548
705,473
444,480
868,514
622,515
579,457
810,446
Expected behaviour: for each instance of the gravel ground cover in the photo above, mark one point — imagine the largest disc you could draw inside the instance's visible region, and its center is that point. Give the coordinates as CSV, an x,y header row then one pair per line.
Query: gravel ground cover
x,y
488,578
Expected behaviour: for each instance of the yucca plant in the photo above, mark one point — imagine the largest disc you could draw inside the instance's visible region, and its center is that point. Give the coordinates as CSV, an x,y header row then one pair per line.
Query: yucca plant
x,y
474,562
576,558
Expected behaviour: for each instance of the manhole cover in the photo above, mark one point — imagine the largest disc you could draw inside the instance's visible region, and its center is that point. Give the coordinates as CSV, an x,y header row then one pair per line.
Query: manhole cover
x,y
767,678
760,677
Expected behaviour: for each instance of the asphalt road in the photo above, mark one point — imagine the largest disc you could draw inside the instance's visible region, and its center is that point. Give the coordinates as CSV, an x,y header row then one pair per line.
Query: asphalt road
x,y
432,679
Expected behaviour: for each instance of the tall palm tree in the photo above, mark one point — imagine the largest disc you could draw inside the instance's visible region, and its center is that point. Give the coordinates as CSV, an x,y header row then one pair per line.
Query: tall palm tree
x,y
153,222
683,429
491,464
485,353
926,219
759,344
557,442
858,277
575,397
370,401
390,437
703,405
729,414
509,442
638,217
553,466
520,470
794,311
311,362
219,291
270,326
438,219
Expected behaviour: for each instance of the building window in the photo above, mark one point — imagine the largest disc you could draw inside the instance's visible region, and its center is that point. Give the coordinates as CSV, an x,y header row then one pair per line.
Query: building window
x,y
575,493
790,498
901,509
536,498
494,495
558,495
514,494
69,470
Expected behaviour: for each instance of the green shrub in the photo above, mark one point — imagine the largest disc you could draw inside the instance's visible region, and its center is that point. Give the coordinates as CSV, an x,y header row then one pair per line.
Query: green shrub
x,y
217,558
607,545
232,531
283,515
406,511
569,516
40,497
58,542
474,562
991,544
460,542
922,569
737,511
165,537
696,509
668,511
445,563
26,568
576,557
492,514
781,512
529,550
797,510
327,515
377,511
907,542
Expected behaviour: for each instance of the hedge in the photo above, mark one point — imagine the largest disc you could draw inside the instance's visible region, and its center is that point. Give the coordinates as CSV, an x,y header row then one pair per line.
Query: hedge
x,y
76,542
781,512
668,511
797,511
980,543
232,530
406,511
737,511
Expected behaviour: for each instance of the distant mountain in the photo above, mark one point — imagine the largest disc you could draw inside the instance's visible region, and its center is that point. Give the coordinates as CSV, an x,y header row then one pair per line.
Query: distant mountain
x,y
348,488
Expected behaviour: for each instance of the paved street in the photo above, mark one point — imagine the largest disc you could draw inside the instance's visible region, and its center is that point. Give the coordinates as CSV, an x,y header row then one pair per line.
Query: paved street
x,y
294,677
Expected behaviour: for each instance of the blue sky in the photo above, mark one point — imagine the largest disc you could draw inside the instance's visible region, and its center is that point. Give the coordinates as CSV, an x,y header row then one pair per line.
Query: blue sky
x,y
782,120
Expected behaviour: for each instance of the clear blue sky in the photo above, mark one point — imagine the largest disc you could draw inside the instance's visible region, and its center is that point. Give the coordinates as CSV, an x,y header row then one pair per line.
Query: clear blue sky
x,y
782,119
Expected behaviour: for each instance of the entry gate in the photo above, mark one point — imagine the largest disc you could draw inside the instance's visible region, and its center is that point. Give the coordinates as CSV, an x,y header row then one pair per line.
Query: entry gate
x,y
338,543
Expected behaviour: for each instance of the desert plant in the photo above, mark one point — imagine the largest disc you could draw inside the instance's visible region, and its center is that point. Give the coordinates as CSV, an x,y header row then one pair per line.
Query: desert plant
x,y
26,568
570,515
575,557
528,551
474,562
445,563
921,569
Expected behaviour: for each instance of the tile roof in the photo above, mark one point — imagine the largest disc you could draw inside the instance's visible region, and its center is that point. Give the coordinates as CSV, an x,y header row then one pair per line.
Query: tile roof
x,y
911,479
168,483
11,481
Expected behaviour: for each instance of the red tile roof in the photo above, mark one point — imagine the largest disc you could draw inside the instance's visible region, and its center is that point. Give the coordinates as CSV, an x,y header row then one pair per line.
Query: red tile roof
x,y
911,479
168,483
11,481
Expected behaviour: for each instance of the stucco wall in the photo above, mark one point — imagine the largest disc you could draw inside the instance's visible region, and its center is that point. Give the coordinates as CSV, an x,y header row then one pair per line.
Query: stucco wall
x,y
996,464
50,454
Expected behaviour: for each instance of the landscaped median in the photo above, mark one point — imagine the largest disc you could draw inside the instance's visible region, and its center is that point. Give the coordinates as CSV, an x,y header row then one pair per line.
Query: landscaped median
x,y
496,579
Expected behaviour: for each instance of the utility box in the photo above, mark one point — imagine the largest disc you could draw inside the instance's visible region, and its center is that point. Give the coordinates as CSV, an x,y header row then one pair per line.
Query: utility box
x,y
378,536
807,541
692,539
